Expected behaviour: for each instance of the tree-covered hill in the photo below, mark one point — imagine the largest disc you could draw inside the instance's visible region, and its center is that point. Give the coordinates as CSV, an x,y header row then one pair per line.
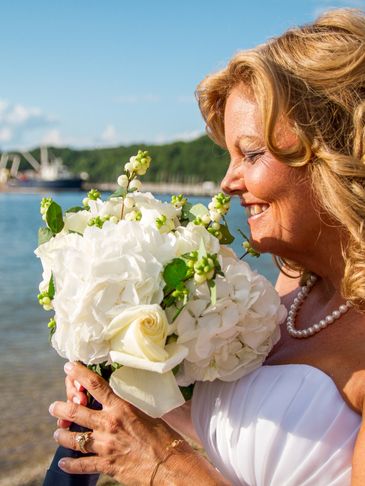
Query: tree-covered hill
x,y
195,161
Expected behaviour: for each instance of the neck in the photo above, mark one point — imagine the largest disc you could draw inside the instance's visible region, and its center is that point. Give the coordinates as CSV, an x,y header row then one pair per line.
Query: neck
x,y
327,262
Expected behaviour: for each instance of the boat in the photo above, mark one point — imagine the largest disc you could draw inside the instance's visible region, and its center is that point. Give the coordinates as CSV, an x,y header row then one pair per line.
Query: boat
x,y
47,174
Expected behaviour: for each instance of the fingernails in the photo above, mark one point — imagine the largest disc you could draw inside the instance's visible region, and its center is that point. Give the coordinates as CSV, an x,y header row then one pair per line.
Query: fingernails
x,y
77,385
51,408
68,367
56,434
62,463
76,400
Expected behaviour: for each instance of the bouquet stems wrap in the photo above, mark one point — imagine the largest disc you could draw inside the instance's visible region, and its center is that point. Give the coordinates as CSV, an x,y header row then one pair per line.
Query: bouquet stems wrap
x,y
56,477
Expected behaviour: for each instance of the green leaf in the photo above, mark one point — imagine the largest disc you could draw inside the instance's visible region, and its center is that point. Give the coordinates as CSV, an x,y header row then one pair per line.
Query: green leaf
x,y
187,391
227,237
54,217
202,250
190,212
51,287
213,291
44,235
175,272
185,212
120,192
198,210
51,332
75,209
168,301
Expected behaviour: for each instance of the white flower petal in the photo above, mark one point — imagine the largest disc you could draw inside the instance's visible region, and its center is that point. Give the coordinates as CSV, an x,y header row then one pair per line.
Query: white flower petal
x,y
176,354
153,393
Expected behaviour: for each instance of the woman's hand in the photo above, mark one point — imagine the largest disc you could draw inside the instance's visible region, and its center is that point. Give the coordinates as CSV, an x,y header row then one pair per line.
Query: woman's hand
x,y
179,418
75,393
128,445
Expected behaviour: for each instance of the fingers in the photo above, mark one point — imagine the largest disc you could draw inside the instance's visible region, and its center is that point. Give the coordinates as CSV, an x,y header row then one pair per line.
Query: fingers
x,y
85,465
74,391
77,413
70,440
92,382
63,424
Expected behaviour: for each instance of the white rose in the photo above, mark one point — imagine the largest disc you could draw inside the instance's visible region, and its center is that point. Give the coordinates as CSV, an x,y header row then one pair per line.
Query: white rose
x,y
138,339
140,331
138,342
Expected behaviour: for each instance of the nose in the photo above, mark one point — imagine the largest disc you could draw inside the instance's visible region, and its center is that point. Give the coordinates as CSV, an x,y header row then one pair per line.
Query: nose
x,y
233,182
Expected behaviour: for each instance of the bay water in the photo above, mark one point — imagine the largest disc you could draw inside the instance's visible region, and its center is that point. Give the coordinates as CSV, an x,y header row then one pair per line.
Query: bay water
x,y
31,372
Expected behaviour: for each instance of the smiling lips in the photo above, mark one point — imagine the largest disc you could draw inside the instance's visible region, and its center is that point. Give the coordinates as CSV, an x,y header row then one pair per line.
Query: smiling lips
x,y
255,209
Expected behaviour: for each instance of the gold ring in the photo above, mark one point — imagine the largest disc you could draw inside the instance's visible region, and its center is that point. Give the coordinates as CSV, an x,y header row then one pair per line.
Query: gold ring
x,y
82,439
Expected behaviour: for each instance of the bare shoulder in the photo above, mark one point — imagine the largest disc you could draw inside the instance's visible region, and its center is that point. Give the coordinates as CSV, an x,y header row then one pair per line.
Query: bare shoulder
x,y
353,365
340,352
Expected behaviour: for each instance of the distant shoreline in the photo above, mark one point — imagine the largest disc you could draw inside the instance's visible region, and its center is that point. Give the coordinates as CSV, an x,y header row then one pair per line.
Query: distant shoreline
x,y
207,188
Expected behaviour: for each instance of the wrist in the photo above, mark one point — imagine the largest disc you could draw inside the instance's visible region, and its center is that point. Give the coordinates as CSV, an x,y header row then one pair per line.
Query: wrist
x,y
182,465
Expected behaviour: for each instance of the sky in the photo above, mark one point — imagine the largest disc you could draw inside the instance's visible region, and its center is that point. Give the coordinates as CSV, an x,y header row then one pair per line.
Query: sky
x,y
88,73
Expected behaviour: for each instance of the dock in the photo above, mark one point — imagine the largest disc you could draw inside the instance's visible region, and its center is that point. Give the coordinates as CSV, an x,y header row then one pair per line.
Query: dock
x,y
205,189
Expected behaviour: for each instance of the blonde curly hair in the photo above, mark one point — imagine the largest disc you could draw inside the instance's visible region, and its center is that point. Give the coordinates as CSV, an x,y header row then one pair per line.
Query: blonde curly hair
x,y
315,75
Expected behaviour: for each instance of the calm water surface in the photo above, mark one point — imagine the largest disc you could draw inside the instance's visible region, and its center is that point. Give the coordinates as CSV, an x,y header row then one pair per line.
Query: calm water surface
x,y
31,373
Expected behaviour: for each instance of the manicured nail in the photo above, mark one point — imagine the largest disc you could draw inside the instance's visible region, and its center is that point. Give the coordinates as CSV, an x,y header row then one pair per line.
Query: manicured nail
x,y
51,407
56,434
77,385
76,400
62,463
68,367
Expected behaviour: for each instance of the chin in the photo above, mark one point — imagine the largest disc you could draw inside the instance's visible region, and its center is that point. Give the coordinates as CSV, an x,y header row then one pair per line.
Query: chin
x,y
266,244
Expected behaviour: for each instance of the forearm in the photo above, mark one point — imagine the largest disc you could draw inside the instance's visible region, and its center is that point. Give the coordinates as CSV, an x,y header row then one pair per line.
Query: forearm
x,y
186,463
358,463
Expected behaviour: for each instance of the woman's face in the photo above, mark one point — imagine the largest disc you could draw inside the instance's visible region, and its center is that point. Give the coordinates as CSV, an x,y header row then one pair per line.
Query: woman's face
x,y
277,198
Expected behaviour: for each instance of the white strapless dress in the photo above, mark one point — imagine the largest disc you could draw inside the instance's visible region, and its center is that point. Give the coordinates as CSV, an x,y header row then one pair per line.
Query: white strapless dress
x,y
281,425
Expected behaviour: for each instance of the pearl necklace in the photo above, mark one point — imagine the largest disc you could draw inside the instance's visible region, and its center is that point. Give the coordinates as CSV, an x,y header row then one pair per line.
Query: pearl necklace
x,y
326,321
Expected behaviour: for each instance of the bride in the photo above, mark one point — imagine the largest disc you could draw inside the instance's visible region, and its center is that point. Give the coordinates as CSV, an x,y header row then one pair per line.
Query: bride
x,y
292,115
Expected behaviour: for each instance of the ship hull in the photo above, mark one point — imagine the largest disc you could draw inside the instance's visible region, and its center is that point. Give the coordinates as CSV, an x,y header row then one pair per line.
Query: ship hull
x,y
60,184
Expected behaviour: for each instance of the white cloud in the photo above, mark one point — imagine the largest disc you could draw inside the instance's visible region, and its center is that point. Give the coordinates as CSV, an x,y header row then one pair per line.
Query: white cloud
x,y
178,137
5,134
54,138
109,135
19,115
134,99
17,120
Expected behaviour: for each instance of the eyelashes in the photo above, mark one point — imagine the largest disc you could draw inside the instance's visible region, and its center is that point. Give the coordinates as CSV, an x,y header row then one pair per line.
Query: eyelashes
x,y
253,156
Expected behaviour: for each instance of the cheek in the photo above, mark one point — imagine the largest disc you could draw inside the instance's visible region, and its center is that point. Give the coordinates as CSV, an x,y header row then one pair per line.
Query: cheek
x,y
273,181
265,182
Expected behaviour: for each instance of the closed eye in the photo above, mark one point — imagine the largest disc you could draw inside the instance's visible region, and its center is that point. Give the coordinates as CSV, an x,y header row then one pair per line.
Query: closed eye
x,y
252,156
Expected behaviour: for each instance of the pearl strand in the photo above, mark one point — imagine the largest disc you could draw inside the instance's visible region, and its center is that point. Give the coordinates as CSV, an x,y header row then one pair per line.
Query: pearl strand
x,y
323,323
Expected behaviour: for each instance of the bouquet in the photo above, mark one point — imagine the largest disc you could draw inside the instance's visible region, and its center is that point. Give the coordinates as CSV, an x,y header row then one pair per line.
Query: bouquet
x,y
146,292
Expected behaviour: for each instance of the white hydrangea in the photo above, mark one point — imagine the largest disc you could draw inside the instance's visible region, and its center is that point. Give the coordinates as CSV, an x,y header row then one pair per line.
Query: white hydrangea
x,y
96,276
231,338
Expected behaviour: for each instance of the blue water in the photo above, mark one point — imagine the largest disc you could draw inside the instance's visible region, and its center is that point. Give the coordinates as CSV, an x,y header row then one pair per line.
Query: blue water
x,y
22,321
